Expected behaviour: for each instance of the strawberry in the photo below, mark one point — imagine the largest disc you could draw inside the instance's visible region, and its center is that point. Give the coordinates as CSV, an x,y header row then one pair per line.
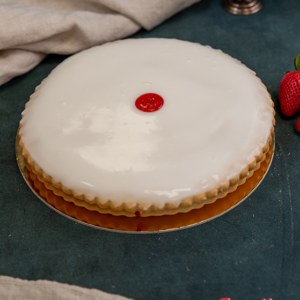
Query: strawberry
x,y
298,125
289,93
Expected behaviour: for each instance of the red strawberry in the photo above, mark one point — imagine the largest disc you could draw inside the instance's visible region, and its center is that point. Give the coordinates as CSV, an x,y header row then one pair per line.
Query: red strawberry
x,y
298,125
289,93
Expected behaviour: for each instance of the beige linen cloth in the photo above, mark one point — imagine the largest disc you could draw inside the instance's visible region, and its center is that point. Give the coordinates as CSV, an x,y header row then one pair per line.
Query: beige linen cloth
x,y
31,29
18,289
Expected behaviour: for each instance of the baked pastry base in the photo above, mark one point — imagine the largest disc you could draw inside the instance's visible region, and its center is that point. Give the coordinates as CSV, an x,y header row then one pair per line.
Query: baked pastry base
x,y
186,205
143,224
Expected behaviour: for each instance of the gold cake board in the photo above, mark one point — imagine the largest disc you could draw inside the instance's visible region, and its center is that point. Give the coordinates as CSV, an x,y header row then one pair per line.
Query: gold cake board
x,y
143,224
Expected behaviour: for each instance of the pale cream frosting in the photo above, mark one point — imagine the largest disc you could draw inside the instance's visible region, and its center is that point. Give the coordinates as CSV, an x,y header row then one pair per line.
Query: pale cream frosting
x,y
83,129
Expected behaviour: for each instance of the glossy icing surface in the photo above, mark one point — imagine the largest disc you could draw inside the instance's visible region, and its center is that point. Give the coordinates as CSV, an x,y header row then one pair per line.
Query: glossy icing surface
x,y
82,126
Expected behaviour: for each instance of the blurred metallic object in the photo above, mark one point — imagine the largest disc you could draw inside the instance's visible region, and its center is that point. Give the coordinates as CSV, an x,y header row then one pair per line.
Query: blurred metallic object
x,y
242,7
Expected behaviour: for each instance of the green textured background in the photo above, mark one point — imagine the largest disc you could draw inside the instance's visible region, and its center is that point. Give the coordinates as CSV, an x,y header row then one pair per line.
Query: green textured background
x,y
250,253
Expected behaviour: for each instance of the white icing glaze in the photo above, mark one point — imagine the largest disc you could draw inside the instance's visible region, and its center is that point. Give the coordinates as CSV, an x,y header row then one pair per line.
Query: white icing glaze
x,y
83,129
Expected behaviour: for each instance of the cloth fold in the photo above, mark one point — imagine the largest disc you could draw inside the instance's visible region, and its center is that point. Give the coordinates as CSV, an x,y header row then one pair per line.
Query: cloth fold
x,y
31,29
18,289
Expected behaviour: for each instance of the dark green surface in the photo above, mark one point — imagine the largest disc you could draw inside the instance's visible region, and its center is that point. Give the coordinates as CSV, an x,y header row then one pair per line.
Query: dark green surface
x,y
250,253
